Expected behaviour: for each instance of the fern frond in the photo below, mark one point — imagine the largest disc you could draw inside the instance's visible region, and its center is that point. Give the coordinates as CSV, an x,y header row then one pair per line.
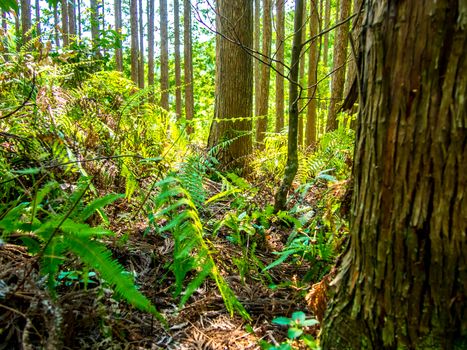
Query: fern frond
x,y
98,256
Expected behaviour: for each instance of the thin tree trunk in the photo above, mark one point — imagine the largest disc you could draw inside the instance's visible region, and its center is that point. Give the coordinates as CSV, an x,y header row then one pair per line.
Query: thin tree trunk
x,y
280,37
327,20
302,79
64,9
56,25
292,156
134,40
38,18
80,33
151,46
178,78
340,57
234,85
141,46
188,66
104,49
403,282
263,93
164,58
313,57
118,29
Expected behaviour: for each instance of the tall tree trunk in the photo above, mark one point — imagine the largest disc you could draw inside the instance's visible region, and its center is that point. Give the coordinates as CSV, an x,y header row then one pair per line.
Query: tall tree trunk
x,y
80,32
102,17
134,40
141,46
25,20
340,57
257,48
118,29
164,55
327,22
263,93
72,19
403,281
292,156
280,37
64,9
178,78
313,57
151,6
56,25
302,78
188,66
234,84
95,26
38,17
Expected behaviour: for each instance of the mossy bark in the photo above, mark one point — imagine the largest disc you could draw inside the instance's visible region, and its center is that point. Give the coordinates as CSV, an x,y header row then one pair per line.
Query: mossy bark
x,y
403,282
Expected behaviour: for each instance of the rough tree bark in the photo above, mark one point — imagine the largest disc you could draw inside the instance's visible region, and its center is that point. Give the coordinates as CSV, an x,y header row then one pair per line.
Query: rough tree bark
x,y
72,19
95,25
164,58
292,156
280,37
327,21
25,20
134,40
178,75
313,57
118,29
38,17
188,66
234,84
263,91
302,78
257,48
403,281
340,57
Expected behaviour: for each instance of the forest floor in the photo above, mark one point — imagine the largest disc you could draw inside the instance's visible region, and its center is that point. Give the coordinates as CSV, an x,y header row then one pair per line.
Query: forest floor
x,y
93,317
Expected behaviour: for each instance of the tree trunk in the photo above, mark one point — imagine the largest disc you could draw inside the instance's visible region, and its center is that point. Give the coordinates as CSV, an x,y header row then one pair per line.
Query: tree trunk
x,y
78,3
134,40
151,6
118,29
292,156
234,84
313,57
257,48
102,6
25,20
327,22
340,57
302,79
164,55
178,78
72,19
280,37
64,9
263,93
141,46
56,24
95,25
403,281
38,18
188,66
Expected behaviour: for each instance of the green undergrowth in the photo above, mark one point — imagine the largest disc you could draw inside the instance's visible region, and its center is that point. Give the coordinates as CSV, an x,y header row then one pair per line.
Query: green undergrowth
x,y
76,142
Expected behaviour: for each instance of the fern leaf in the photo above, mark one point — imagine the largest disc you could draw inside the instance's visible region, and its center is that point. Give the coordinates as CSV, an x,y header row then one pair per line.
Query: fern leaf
x,y
97,204
98,256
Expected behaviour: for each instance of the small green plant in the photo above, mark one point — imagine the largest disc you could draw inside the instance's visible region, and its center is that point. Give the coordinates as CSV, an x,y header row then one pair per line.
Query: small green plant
x,y
295,333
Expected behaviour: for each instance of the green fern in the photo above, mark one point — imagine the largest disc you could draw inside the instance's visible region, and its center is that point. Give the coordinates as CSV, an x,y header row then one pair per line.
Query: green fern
x,y
191,250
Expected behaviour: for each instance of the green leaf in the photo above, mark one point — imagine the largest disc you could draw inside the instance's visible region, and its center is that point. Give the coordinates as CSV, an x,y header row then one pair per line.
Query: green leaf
x,y
28,171
310,322
282,321
294,332
98,204
299,316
